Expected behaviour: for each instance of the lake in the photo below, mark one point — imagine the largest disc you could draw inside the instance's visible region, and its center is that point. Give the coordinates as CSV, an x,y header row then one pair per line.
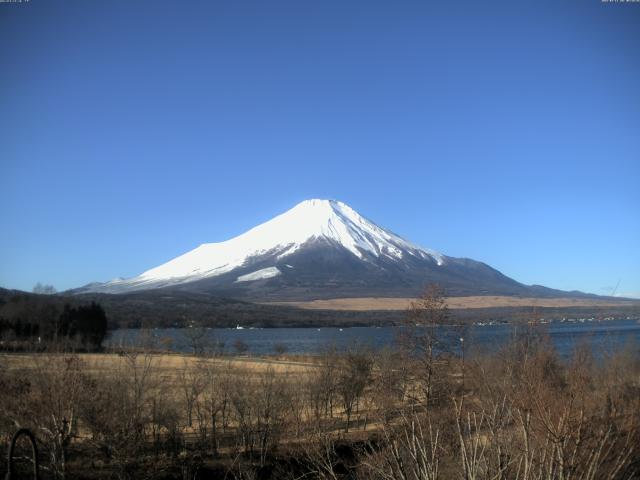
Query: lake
x,y
601,336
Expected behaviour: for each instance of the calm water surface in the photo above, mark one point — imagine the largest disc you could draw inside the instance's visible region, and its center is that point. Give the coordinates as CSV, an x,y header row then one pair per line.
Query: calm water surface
x,y
602,336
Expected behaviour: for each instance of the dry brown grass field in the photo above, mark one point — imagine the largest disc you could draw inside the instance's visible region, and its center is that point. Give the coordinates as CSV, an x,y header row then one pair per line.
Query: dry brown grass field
x,y
166,364
382,303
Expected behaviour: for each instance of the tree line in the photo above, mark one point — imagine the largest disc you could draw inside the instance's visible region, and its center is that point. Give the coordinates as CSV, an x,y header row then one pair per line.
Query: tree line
x,y
34,321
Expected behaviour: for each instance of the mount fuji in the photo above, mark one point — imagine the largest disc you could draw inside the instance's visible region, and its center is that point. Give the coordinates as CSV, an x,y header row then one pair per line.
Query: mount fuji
x,y
319,249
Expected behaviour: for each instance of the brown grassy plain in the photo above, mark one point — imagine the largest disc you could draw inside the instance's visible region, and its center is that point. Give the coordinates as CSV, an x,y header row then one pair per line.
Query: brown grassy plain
x,y
165,364
384,303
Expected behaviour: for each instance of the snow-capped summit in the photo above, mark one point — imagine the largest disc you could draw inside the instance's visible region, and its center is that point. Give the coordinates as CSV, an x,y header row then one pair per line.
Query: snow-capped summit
x,y
316,249
337,221
309,221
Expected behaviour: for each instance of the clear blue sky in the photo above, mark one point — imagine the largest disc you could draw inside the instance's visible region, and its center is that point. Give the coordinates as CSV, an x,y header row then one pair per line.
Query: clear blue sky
x,y
133,131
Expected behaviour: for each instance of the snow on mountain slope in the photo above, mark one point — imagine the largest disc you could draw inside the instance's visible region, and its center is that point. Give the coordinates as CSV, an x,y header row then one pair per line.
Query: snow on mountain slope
x,y
261,274
327,220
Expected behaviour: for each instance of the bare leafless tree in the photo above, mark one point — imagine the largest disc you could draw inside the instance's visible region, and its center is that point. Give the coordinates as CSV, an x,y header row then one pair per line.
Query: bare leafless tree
x,y
354,375
421,337
191,384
